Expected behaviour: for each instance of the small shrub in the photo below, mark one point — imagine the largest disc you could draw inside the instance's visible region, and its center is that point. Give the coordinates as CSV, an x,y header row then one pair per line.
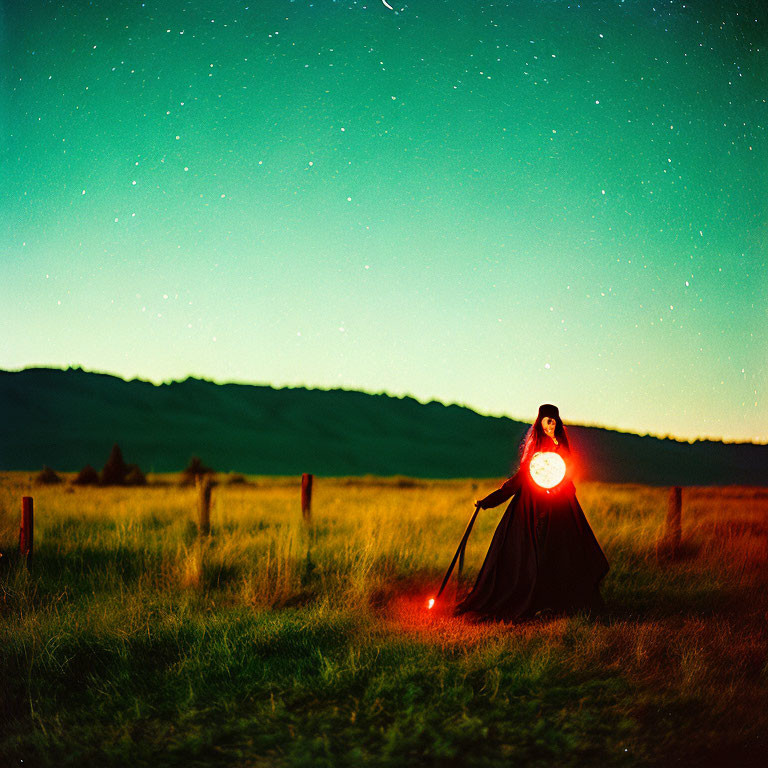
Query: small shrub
x,y
135,476
193,470
400,481
115,470
87,476
236,479
47,477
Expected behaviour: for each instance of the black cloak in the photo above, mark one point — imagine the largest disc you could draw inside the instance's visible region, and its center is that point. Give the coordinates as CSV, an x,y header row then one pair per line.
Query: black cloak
x,y
543,555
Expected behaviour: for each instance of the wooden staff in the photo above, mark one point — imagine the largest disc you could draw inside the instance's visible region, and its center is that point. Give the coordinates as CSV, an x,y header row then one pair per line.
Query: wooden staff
x,y
459,554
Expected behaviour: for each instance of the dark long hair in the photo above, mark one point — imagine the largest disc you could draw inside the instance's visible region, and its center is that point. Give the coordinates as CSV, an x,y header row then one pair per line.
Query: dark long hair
x,y
535,437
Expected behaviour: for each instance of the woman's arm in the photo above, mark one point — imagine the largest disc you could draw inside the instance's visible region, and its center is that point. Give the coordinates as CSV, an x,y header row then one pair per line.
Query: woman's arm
x,y
507,490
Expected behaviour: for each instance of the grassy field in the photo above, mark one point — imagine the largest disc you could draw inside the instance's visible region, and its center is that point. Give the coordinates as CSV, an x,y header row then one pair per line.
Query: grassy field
x,y
127,642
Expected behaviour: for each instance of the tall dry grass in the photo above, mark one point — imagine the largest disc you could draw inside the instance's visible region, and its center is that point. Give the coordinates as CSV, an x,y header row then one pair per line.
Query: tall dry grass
x,y
126,610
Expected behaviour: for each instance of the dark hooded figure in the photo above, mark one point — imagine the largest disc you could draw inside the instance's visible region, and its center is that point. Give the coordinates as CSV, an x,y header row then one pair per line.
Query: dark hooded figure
x,y
543,556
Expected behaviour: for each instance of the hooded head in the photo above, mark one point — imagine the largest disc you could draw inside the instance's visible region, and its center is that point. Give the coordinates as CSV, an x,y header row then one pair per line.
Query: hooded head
x,y
537,440
548,410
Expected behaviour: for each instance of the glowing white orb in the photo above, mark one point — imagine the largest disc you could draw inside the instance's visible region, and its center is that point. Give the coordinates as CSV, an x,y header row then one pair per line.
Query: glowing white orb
x,y
431,602
547,469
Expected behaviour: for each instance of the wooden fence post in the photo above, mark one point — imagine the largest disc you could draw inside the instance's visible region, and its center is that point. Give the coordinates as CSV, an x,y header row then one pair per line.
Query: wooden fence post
x,y
306,497
674,515
27,530
203,483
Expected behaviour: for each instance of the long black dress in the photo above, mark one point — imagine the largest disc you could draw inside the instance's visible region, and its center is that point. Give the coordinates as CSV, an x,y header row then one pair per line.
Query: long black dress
x,y
543,554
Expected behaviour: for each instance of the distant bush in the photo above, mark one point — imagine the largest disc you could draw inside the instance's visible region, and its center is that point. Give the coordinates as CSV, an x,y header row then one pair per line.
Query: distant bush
x,y
47,477
115,470
87,476
193,470
400,481
236,479
393,481
135,476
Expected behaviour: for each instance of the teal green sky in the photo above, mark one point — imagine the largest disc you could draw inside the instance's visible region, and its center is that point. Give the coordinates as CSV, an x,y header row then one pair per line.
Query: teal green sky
x,y
495,204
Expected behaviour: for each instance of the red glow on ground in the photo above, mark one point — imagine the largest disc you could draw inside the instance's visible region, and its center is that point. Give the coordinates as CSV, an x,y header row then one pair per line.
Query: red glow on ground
x,y
403,612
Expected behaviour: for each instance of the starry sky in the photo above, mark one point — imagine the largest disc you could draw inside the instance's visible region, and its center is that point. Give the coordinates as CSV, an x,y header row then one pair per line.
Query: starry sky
x,y
497,204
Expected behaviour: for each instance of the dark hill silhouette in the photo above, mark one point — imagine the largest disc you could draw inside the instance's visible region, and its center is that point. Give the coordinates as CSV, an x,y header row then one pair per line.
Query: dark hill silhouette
x,y
68,418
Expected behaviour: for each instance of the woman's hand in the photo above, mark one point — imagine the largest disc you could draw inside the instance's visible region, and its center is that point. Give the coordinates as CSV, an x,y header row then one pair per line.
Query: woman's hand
x,y
479,503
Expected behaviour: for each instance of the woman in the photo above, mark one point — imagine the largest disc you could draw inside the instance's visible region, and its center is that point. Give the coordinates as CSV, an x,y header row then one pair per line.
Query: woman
x,y
543,556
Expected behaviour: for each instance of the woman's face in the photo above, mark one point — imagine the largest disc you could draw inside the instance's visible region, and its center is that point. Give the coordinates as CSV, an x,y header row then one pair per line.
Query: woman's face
x,y
548,424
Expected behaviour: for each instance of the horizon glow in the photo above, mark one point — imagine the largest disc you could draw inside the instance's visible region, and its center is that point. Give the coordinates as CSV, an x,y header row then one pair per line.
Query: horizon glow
x,y
492,204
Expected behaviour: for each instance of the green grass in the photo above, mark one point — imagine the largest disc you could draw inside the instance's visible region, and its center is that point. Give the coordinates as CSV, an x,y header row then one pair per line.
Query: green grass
x,y
128,643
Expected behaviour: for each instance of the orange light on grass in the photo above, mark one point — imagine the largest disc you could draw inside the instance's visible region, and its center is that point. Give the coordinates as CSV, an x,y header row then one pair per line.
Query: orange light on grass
x,y
547,469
